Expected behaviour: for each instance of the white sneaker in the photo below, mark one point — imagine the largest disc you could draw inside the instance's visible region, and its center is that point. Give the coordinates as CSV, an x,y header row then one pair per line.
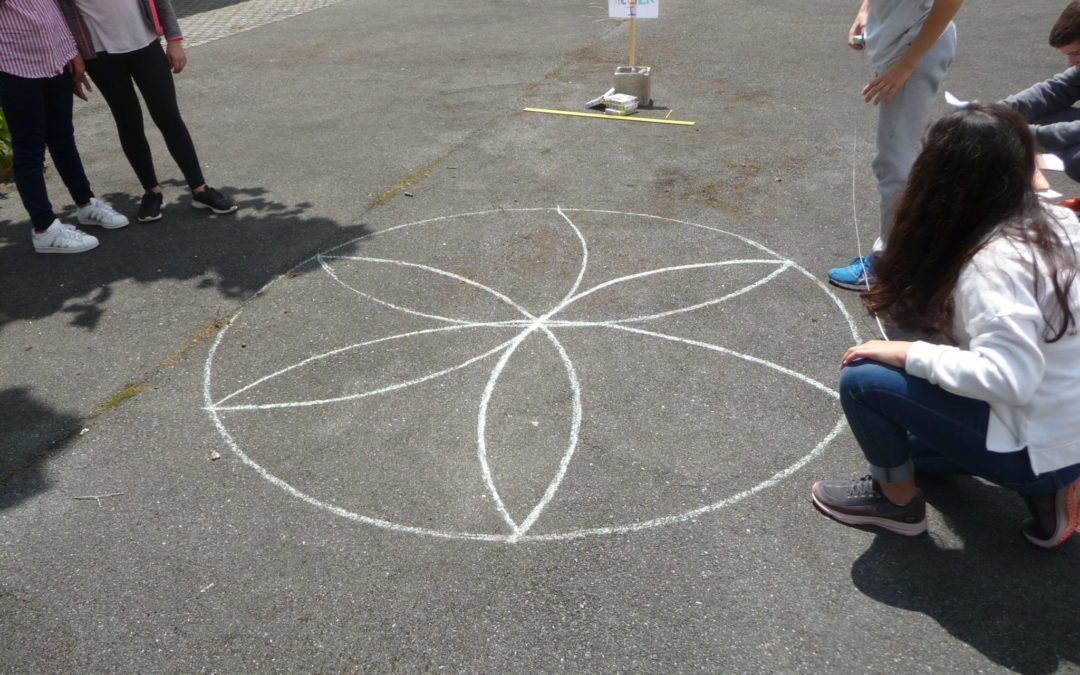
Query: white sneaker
x,y
61,238
101,214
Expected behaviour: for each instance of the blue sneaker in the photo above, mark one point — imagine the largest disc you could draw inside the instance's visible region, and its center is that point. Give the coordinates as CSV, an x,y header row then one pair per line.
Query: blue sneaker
x,y
858,276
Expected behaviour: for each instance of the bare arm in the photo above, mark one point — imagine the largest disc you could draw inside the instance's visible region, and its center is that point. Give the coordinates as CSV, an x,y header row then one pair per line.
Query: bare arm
x,y
858,26
884,87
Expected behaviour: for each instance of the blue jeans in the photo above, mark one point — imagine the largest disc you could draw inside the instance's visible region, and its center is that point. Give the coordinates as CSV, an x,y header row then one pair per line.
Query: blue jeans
x,y
38,113
906,424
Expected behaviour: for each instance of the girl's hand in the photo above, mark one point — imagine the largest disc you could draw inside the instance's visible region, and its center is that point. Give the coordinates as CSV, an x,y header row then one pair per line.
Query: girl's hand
x,y
883,87
78,76
177,58
890,352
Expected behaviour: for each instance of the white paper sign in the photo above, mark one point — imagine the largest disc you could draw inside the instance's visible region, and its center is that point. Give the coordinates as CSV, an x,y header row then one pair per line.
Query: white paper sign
x,y
646,9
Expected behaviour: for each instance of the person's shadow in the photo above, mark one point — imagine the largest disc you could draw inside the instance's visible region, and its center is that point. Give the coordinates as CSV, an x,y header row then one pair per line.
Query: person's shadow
x,y
1016,604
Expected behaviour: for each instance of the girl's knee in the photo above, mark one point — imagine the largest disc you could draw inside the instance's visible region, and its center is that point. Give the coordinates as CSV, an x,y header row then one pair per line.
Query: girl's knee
x,y
861,375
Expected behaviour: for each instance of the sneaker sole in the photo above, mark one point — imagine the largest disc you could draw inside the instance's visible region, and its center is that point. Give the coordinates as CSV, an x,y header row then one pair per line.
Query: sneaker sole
x,y
94,223
906,529
1070,509
150,219
200,205
67,250
858,286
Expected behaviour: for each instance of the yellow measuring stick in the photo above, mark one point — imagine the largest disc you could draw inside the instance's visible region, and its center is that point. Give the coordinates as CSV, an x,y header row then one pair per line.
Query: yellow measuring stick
x,y
602,116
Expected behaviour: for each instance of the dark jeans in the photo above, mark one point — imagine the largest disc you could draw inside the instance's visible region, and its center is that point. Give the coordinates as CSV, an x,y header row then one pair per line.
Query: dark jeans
x,y
38,113
906,424
116,76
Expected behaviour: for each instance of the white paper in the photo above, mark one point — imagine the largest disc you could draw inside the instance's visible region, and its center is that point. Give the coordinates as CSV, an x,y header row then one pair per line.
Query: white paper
x,y
953,101
1050,195
646,9
1048,162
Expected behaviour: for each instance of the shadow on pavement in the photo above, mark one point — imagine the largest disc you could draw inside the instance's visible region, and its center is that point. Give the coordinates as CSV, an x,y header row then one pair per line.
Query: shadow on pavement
x,y
28,425
237,254
1015,604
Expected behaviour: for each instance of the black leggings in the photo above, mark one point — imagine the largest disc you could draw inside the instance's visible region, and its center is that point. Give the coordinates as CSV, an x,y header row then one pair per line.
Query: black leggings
x,y
149,69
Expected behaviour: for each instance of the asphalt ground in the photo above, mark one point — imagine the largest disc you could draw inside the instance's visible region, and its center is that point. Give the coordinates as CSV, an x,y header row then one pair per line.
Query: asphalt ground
x,y
467,388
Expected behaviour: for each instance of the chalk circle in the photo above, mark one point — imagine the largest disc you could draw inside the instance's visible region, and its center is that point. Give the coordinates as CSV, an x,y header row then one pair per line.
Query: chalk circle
x,y
526,324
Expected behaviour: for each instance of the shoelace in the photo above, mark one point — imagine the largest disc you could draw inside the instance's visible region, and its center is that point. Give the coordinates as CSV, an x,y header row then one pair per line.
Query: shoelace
x,y
100,212
863,487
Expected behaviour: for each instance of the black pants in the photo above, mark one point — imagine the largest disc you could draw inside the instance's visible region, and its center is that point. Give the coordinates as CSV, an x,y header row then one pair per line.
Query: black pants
x,y
38,113
116,76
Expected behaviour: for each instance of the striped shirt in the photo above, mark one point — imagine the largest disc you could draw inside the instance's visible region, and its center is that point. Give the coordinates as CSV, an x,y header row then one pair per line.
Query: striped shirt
x,y
34,38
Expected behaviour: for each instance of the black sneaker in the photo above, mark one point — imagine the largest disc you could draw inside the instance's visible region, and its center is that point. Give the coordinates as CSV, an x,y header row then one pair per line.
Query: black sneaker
x,y
213,200
860,502
150,208
1054,517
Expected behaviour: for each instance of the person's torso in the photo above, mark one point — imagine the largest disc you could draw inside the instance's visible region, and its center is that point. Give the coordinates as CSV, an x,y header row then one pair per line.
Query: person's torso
x,y
891,26
1049,424
34,38
116,26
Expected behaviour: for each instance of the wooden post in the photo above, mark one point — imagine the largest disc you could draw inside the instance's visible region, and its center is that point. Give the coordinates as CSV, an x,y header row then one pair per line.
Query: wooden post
x,y
633,30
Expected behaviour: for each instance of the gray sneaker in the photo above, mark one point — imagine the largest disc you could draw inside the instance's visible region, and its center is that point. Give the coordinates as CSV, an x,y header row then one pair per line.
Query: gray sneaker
x,y
1054,516
860,502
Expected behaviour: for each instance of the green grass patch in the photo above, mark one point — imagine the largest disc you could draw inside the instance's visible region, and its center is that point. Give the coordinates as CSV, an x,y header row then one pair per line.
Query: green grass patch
x,y
128,391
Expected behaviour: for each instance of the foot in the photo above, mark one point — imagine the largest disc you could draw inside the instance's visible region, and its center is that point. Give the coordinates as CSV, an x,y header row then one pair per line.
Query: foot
x,y
61,238
860,502
150,208
1054,516
101,214
857,276
213,200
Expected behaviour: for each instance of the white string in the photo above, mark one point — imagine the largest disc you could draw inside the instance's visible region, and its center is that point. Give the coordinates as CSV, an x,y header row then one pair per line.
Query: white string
x,y
854,202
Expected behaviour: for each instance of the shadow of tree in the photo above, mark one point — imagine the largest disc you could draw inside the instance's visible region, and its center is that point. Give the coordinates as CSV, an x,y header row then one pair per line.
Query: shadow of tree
x,y
237,254
28,425
1014,603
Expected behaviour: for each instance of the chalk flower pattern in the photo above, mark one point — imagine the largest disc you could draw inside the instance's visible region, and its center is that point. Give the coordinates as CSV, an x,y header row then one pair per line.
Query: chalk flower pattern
x,y
519,326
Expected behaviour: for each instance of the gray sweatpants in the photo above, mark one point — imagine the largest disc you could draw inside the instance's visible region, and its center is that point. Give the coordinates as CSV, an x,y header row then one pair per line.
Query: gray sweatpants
x,y
901,123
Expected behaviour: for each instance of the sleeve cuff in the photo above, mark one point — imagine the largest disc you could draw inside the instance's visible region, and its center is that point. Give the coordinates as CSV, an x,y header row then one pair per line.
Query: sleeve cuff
x,y
921,357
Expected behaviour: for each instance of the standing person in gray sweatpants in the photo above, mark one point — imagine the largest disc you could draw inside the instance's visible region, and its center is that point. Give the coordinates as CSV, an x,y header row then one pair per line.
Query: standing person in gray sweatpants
x,y
911,44
1048,106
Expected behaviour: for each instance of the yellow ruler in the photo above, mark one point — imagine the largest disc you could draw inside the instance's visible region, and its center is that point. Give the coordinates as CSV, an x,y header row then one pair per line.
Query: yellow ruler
x,y
628,118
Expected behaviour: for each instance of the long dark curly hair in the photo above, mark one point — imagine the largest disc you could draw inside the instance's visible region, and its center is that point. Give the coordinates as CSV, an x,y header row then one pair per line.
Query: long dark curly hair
x,y
971,182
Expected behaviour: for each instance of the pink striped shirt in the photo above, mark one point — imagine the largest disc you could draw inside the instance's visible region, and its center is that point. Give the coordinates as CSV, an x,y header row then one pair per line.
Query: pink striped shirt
x,y
34,38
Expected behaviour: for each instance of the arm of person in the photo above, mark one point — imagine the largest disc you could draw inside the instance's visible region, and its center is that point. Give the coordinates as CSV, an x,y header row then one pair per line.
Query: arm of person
x,y
77,68
1039,100
882,88
858,26
1004,362
174,37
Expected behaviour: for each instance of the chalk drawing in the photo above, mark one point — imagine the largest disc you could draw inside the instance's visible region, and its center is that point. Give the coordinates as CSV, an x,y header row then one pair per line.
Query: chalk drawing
x,y
546,325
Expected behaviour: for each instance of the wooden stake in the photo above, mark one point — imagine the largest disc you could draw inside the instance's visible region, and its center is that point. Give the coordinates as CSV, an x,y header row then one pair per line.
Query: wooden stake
x,y
633,30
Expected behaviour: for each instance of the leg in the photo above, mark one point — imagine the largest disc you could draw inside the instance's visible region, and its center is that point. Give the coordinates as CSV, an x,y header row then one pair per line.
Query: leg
x,y
23,101
886,407
150,70
60,137
111,74
901,123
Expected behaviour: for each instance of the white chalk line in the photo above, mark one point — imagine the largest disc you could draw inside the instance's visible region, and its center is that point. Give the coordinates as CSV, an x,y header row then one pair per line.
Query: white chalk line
x,y
518,535
584,255
352,397
481,430
690,515
434,270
